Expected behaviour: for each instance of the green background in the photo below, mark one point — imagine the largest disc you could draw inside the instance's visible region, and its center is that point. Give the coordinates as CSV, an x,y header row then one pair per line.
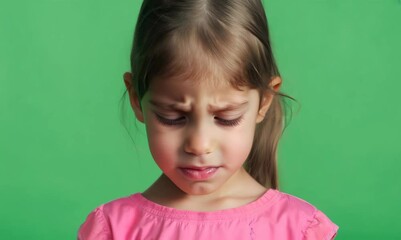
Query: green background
x,y
64,151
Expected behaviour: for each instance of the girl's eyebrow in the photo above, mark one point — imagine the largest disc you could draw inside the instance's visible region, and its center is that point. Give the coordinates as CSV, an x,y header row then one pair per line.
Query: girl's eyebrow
x,y
211,108
228,107
166,105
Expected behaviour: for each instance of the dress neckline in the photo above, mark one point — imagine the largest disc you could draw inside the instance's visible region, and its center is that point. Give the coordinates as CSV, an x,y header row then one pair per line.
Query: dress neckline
x,y
263,202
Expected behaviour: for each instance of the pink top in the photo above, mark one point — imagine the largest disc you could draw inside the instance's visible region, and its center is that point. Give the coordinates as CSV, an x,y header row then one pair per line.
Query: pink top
x,y
275,215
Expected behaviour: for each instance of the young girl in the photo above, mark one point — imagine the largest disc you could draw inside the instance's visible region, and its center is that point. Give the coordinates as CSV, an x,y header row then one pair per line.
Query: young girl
x,y
205,84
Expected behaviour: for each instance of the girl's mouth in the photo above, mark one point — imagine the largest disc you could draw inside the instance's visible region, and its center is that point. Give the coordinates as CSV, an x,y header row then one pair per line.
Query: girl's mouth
x,y
199,173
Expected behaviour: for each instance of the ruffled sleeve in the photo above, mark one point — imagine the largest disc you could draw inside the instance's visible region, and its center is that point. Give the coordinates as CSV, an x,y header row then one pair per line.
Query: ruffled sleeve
x,y
95,227
320,227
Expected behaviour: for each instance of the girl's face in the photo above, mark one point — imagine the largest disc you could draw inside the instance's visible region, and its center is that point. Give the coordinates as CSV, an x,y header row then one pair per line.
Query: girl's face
x,y
200,134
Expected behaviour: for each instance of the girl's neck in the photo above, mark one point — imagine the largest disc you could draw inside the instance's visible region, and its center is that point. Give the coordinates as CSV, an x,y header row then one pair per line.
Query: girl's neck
x,y
245,190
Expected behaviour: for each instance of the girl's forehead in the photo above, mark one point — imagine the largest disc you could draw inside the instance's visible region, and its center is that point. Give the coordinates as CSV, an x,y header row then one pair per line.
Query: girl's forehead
x,y
200,80
218,85
192,64
199,73
175,90
186,95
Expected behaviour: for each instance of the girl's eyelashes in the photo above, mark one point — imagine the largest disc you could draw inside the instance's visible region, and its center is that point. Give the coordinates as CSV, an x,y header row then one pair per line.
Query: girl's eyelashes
x,y
229,123
170,122
182,120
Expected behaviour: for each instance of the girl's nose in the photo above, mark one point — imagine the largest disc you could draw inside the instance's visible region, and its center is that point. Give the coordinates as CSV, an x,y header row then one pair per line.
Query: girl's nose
x,y
198,141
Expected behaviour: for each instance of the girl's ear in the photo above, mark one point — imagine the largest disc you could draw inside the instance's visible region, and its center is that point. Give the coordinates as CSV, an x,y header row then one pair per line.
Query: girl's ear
x,y
267,98
134,100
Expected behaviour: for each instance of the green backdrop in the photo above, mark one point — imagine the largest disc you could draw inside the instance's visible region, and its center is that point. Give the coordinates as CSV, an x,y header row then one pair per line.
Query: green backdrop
x,y
64,151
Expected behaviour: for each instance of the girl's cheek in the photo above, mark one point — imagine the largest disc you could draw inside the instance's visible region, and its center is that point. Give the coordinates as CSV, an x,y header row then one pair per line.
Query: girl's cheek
x,y
161,139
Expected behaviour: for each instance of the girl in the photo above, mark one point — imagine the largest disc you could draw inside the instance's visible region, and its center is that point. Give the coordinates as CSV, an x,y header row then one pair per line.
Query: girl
x,y
205,84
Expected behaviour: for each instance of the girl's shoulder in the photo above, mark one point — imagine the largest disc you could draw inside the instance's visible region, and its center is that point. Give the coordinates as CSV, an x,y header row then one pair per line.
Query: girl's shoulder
x,y
293,205
314,223
99,223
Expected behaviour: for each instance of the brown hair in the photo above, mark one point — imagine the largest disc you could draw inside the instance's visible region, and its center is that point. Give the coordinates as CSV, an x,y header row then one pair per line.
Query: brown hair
x,y
191,39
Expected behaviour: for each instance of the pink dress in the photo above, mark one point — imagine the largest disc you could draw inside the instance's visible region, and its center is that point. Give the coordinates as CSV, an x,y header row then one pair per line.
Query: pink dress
x,y
275,215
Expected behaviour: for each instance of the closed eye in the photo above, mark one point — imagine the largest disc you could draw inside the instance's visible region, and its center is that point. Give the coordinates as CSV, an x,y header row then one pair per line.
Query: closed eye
x,y
169,121
229,123
182,120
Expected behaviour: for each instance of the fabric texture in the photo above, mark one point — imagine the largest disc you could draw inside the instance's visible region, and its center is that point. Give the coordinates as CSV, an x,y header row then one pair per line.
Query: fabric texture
x,y
275,215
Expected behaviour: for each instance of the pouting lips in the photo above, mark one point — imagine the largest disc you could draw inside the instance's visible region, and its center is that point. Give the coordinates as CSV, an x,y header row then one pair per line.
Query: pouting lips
x,y
199,173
